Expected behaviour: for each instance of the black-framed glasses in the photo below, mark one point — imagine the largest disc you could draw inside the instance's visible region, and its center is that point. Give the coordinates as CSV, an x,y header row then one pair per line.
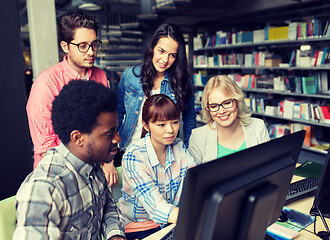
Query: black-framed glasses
x,y
214,107
84,47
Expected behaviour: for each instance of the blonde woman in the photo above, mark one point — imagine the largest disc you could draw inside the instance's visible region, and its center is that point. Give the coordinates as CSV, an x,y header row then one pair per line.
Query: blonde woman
x,y
229,126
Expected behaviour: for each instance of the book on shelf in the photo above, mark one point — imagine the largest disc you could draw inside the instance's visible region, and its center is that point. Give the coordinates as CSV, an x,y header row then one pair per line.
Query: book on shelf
x,y
319,58
197,41
292,30
279,83
324,114
292,61
198,96
308,85
248,60
304,58
200,78
321,79
298,85
272,60
221,38
248,81
258,35
271,110
278,130
246,36
314,58
295,127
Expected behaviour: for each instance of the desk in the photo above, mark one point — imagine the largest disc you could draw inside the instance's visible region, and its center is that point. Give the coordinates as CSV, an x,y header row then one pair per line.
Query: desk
x,y
158,235
302,205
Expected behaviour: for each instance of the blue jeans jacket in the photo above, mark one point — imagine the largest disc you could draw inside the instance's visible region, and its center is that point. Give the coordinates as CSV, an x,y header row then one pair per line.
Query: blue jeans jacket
x,y
130,97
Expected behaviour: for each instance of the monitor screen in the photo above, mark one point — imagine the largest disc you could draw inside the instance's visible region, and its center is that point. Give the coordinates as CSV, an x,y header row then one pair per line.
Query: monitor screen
x,y
322,195
239,195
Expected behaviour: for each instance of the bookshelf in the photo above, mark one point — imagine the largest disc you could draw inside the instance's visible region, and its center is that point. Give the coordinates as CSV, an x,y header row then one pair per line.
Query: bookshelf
x,y
283,71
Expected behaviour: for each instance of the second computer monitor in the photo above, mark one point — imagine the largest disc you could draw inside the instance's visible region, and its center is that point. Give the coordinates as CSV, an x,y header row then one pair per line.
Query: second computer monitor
x,y
239,195
322,195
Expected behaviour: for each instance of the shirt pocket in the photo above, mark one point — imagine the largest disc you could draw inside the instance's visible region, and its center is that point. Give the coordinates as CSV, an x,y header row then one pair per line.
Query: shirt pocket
x,y
82,223
131,97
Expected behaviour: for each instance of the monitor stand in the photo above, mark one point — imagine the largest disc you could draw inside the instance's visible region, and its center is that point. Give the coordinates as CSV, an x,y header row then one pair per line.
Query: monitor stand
x,y
323,207
254,215
258,207
325,235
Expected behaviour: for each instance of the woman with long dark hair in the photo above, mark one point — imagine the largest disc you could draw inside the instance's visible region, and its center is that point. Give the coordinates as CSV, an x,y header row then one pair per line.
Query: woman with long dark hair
x,y
164,70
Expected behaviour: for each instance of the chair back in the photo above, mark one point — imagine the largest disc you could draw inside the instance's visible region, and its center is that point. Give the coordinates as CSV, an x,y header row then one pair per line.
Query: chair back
x,y
7,218
116,189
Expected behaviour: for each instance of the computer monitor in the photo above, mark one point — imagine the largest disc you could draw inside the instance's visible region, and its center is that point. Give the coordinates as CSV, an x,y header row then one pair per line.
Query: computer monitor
x,y
239,195
322,195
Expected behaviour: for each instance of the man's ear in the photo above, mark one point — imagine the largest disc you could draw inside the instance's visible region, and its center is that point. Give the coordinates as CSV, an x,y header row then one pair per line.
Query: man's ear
x,y
77,138
64,46
145,126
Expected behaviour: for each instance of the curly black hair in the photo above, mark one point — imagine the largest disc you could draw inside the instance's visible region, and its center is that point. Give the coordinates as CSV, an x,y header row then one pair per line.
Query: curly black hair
x,y
179,76
78,105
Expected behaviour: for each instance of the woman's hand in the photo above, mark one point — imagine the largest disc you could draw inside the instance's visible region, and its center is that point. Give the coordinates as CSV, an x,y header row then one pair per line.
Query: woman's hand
x,y
110,173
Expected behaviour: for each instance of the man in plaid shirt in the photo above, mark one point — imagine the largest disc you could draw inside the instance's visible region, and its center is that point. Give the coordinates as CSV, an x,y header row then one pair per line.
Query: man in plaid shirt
x,y
67,195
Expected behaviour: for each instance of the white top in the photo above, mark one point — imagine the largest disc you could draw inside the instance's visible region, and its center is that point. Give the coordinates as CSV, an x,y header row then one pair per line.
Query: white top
x,y
136,136
203,140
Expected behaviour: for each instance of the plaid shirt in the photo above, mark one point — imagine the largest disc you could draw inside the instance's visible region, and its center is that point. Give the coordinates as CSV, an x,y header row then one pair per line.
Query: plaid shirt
x,y
150,191
65,198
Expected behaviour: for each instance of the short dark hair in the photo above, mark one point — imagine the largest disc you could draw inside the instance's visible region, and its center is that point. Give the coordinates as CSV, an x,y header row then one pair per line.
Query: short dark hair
x,y
69,22
159,107
78,105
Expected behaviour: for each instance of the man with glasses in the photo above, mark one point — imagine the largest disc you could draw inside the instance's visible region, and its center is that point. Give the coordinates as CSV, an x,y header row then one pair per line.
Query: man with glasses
x,y
78,39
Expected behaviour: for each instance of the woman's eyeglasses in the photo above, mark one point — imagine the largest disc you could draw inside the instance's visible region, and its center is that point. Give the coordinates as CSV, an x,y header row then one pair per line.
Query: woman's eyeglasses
x,y
214,107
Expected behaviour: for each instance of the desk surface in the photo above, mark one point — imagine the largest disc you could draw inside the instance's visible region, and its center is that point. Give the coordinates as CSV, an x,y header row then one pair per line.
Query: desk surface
x,y
302,205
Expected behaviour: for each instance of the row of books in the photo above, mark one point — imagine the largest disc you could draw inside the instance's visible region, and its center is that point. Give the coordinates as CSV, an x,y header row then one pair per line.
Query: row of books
x,y
200,78
310,58
234,59
315,84
291,109
292,31
304,110
279,130
316,58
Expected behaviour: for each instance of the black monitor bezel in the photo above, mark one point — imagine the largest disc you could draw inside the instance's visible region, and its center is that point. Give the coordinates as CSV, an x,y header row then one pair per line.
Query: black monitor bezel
x,y
322,194
196,187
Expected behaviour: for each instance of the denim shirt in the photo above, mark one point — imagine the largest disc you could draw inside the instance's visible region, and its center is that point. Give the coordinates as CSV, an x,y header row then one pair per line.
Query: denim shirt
x,y
130,97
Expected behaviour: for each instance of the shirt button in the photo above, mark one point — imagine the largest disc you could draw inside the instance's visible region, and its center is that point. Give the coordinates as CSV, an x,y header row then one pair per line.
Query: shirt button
x,y
132,126
140,98
136,112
